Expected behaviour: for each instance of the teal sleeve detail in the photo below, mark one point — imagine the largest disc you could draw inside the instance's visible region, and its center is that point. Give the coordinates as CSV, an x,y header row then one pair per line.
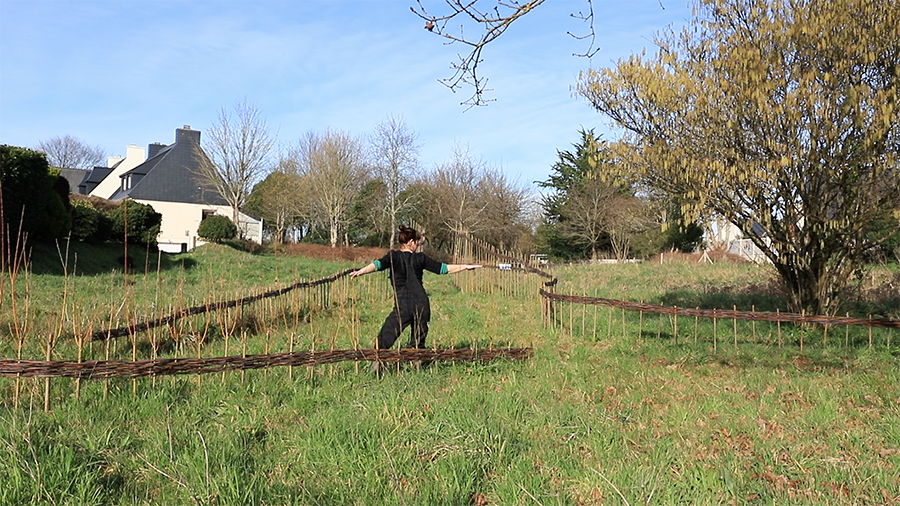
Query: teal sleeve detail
x,y
377,265
444,269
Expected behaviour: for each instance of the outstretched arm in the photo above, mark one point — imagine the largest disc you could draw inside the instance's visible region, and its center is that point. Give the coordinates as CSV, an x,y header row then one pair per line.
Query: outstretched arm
x,y
365,270
454,268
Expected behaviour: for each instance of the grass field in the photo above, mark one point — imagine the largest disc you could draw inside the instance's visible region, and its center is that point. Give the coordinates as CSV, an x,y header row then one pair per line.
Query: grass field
x,y
614,408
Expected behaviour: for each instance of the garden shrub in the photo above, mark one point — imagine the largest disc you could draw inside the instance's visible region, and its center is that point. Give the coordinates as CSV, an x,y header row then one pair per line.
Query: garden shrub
x,y
88,224
29,195
217,229
143,223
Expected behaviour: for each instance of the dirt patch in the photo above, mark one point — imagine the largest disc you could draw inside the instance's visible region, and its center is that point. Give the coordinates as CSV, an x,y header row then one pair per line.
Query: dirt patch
x,y
321,252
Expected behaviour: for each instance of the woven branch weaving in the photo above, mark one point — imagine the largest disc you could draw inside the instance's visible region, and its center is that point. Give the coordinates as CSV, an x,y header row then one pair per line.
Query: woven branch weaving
x,y
210,307
724,313
105,369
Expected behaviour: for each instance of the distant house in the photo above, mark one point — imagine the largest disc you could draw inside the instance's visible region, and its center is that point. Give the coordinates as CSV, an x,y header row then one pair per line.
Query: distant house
x,y
169,181
103,182
728,236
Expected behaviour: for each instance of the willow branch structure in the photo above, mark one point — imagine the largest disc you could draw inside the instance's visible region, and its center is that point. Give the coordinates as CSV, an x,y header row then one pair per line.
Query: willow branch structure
x,y
211,307
487,254
759,316
107,369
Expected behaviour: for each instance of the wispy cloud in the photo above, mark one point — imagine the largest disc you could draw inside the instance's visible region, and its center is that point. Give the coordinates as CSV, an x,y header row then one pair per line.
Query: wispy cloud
x,y
115,73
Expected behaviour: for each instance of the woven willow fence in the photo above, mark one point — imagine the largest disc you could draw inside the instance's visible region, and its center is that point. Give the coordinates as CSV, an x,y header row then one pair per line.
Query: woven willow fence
x,y
518,277
105,369
575,319
256,331
318,295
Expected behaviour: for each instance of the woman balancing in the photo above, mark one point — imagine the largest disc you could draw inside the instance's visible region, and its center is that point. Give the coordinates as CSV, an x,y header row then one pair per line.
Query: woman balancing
x,y
411,307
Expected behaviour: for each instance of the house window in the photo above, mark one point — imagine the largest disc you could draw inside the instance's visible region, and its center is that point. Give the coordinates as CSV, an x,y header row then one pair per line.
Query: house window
x,y
207,213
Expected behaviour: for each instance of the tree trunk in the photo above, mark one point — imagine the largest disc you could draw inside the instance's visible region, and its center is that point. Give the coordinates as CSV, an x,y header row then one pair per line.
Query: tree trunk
x,y
814,288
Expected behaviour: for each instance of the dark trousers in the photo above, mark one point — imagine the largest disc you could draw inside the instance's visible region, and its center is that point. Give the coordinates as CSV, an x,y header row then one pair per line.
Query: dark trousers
x,y
416,316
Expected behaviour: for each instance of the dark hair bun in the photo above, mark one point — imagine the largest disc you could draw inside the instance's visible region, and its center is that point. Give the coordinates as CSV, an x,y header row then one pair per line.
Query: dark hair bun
x,y
407,234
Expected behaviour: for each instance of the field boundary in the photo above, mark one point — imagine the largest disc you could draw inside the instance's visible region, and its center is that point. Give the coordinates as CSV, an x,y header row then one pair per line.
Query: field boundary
x,y
488,252
467,248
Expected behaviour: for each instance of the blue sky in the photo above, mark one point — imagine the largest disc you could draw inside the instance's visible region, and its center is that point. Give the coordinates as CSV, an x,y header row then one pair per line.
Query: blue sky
x,y
117,72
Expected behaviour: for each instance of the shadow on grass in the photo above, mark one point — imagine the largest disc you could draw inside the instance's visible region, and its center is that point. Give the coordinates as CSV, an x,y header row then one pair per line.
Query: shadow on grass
x,y
91,260
878,303
812,359
762,298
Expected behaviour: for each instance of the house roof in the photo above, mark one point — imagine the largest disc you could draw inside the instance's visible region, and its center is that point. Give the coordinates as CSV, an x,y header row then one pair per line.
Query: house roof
x,y
97,175
74,177
172,174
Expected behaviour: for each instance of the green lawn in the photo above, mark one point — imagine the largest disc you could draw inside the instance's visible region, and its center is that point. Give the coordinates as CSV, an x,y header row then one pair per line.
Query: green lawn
x,y
610,410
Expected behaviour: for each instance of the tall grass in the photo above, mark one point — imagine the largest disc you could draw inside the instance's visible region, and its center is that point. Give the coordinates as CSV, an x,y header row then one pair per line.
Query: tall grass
x,y
605,416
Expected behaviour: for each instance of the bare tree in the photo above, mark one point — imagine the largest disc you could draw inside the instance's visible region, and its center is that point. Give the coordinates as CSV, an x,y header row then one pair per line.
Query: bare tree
x,y
239,149
454,197
630,216
505,203
589,207
395,157
70,153
464,195
494,17
334,166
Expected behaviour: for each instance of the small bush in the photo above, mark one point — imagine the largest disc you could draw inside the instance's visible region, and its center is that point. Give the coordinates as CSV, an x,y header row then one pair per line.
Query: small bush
x,y
217,229
143,223
88,224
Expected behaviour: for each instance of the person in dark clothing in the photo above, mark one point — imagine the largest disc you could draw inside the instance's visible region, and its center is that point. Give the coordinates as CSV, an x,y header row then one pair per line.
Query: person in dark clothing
x,y
411,305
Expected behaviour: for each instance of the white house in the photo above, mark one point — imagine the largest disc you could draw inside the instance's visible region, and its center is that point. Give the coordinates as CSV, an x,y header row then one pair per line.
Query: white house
x,y
728,236
170,182
105,183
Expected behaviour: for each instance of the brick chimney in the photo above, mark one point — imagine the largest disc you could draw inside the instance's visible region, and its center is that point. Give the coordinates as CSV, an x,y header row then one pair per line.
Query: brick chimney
x,y
187,135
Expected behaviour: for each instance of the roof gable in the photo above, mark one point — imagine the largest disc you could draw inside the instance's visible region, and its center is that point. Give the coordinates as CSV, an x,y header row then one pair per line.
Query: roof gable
x,y
173,174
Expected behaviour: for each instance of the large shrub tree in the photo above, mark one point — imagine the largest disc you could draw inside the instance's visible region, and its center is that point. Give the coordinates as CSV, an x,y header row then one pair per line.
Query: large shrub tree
x,y
31,205
217,229
279,200
778,113
135,223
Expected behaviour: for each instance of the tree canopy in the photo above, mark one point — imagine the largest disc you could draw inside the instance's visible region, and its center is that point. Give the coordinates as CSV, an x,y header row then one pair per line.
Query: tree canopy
x,y
775,114
68,152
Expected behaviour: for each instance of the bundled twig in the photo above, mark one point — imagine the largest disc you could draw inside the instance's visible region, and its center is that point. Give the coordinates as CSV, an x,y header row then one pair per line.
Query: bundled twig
x,y
104,369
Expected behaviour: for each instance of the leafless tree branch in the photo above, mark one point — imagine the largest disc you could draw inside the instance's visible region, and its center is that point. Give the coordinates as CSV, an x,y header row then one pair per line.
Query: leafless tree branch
x,y
238,149
70,153
494,21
